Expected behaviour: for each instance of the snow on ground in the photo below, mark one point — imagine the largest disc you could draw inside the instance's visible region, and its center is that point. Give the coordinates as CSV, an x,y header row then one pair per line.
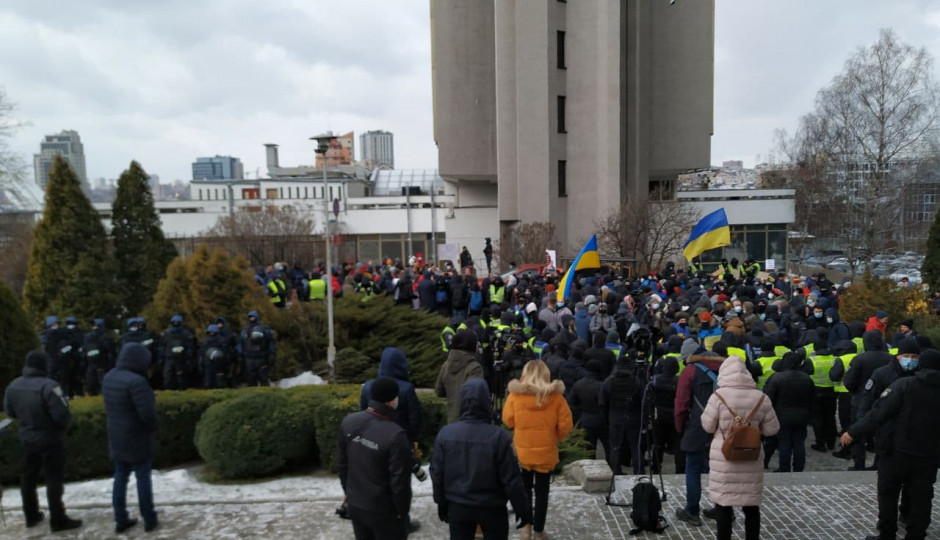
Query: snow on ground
x,y
305,378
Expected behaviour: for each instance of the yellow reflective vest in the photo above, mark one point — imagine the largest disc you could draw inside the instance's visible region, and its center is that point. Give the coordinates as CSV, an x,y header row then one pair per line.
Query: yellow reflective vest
x,y
822,364
317,289
766,364
846,359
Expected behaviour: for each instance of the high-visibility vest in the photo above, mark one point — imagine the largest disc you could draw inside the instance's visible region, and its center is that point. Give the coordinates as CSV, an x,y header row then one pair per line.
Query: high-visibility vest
x,y
274,293
780,350
822,364
678,357
766,364
737,351
538,347
616,349
695,268
317,289
809,347
846,359
447,335
753,269
893,351
497,295
859,344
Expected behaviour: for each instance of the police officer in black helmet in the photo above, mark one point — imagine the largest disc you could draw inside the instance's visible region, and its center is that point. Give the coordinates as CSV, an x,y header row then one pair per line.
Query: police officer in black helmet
x,y
98,350
258,348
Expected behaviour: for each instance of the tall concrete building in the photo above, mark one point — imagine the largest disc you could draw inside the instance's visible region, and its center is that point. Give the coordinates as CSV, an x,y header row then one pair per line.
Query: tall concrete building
x,y
378,148
546,110
66,144
218,168
342,151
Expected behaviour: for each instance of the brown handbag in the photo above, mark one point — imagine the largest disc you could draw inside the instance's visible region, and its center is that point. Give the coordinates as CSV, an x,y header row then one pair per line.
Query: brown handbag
x,y
742,441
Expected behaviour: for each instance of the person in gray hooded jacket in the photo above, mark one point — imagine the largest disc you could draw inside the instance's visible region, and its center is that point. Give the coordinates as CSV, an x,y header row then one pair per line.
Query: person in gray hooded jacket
x,y
461,364
42,410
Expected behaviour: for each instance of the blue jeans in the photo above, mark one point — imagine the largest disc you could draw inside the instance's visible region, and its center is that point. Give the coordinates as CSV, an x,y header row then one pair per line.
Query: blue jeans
x,y
696,464
792,442
141,470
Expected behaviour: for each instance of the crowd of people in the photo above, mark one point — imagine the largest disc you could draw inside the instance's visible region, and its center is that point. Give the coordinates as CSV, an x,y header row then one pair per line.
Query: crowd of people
x,y
664,364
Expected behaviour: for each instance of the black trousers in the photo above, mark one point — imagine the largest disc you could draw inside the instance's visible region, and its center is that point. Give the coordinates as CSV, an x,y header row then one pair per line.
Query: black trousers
x,y
666,439
51,461
540,481
380,527
751,522
844,409
897,474
463,521
824,417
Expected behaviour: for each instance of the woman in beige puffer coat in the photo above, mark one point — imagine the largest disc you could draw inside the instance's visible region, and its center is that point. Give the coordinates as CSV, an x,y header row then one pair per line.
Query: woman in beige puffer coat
x,y
736,483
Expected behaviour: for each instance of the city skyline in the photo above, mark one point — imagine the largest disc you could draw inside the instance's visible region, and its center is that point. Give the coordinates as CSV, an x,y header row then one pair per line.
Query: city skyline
x,y
136,90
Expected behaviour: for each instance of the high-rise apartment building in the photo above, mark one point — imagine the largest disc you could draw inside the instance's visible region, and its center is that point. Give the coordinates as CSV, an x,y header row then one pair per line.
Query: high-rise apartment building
x,y
378,149
218,168
554,111
66,144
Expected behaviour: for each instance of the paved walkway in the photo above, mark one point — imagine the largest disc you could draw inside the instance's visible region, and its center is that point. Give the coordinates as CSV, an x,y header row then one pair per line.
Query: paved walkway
x,y
819,505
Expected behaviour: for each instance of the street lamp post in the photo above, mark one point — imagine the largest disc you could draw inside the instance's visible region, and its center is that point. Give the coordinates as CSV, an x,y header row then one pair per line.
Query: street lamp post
x,y
323,144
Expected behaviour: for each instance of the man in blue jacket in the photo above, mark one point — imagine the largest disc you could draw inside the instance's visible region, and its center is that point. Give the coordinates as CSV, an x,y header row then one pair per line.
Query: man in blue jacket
x,y
43,412
132,420
474,471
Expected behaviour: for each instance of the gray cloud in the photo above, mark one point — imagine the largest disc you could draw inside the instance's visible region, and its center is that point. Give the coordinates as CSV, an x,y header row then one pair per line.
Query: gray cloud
x,y
164,82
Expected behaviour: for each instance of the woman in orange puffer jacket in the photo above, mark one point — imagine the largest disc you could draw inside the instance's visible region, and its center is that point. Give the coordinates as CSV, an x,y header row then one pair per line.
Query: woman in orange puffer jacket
x,y
537,412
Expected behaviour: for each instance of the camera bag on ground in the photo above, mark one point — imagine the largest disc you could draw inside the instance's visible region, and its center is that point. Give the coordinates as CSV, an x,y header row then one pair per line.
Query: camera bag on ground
x,y
647,507
742,441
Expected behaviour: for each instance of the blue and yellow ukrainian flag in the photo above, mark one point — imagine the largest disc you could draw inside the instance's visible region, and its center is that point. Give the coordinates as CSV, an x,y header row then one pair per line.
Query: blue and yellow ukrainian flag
x,y
588,258
711,232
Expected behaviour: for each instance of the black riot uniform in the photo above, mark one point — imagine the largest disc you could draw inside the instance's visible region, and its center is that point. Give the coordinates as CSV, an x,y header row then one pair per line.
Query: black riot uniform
x,y
258,348
178,346
98,350
214,358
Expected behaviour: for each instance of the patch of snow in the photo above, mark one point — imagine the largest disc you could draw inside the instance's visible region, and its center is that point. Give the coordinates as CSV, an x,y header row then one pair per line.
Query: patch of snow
x,y
305,378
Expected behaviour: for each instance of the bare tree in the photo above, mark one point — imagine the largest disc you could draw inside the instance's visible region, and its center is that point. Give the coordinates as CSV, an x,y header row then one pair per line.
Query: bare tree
x,y
650,229
11,164
267,233
871,129
525,243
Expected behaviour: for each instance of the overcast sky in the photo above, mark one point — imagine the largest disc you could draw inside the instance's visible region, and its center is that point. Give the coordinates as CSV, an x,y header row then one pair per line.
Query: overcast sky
x,y
164,82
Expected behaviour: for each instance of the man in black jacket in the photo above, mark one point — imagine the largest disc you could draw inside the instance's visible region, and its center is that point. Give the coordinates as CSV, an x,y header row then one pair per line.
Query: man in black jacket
x,y
130,405
860,370
374,464
910,464
601,353
474,471
791,391
586,408
43,412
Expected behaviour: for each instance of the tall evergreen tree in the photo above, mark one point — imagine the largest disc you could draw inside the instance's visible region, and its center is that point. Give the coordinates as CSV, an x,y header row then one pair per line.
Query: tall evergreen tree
x,y
17,338
931,268
140,249
71,271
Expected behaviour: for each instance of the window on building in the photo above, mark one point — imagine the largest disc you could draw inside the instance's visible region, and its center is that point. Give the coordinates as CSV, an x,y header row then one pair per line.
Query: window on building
x,y
289,193
562,178
930,198
561,115
280,193
305,192
270,193
200,194
560,44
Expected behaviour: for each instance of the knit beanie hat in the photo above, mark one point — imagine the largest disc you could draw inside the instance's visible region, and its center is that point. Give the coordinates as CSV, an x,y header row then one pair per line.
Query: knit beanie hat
x,y
929,359
908,346
37,360
465,340
384,389
689,346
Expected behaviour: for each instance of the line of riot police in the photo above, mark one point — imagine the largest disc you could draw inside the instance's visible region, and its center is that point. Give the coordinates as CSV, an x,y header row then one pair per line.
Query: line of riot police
x,y
78,360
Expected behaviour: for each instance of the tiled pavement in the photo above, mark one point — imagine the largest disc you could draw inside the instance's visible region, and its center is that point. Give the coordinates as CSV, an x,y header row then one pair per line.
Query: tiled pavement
x,y
810,505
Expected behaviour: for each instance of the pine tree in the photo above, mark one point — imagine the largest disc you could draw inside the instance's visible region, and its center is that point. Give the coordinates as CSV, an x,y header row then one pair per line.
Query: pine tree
x,y
71,271
17,338
931,268
140,249
207,285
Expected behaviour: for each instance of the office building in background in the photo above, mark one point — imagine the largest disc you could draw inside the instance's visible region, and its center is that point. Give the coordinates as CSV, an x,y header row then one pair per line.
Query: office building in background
x,y
218,168
378,149
66,144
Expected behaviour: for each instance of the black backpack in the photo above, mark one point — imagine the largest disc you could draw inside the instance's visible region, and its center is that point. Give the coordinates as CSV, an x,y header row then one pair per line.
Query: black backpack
x,y
647,507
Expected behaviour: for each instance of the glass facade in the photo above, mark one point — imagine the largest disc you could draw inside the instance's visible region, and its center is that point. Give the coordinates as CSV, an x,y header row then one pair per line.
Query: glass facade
x,y
758,242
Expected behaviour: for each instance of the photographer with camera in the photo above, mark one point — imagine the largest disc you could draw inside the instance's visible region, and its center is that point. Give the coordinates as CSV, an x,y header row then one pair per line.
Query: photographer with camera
x,y
622,397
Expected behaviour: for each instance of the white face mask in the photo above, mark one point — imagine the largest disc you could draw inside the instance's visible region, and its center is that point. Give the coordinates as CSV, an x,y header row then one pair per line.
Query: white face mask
x,y
685,308
829,320
655,307
737,309
770,296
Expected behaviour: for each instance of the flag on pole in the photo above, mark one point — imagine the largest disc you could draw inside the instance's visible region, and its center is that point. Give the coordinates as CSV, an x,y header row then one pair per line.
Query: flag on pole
x,y
710,232
587,259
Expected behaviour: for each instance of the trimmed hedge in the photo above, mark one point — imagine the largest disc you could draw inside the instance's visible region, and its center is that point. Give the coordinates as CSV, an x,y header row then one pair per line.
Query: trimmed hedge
x,y
311,414
254,435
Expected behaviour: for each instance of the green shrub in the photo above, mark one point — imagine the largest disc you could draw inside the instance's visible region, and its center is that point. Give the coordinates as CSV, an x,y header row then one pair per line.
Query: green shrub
x,y
353,366
573,448
254,435
368,327
435,418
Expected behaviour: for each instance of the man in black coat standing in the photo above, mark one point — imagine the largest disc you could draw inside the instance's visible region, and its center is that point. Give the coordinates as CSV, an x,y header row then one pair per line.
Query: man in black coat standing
x,y
474,471
860,370
913,452
130,406
374,464
791,392
43,412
